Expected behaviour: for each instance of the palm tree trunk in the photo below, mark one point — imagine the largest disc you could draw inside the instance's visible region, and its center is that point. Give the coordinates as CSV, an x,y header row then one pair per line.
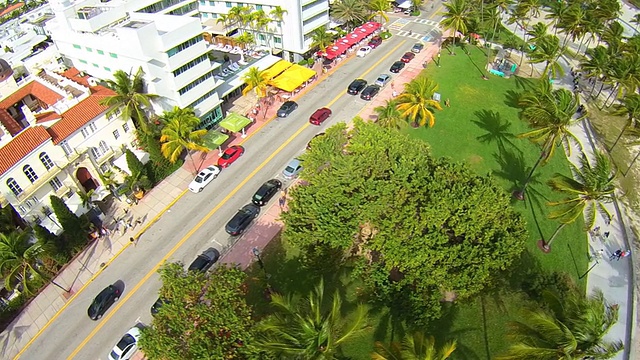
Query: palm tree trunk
x,y
197,169
519,194
547,244
615,89
620,135
593,88
632,163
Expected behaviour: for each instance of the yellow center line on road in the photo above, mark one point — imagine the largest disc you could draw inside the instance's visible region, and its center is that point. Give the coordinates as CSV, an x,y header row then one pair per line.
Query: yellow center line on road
x,y
130,293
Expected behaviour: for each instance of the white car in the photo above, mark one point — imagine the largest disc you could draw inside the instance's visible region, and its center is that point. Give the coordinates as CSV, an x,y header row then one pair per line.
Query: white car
x,y
363,51
203,178
127,346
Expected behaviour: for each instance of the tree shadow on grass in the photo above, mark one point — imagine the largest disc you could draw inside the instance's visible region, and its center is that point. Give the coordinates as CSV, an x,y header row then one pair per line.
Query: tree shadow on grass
x,y
496,129
512,99
468,53
523,83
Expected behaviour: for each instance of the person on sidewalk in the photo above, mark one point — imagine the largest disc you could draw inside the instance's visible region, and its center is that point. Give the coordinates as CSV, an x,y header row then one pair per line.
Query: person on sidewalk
x,y
616,255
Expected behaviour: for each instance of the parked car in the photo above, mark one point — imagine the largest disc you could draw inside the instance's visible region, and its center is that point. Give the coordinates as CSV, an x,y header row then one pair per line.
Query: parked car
x,y
369,92
396,67
382,80
241,220
364,51
157,305
408,11
417,47
204,177
293,169
205,260
375,42
310,141
287,108
103,301
266,192
407,57
320,116
230,155
127,346
356,86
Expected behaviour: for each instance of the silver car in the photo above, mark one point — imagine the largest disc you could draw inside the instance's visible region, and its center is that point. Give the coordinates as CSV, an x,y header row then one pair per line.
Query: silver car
x,y
382,80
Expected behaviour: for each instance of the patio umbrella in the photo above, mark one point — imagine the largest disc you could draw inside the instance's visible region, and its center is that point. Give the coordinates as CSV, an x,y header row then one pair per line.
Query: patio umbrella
x,y
235,123
214,139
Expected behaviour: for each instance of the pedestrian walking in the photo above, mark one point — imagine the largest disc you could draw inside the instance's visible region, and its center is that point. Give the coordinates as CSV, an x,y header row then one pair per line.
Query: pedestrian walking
x,y
625,253
393,86
606,234
616,255
282,201
132,241
394,93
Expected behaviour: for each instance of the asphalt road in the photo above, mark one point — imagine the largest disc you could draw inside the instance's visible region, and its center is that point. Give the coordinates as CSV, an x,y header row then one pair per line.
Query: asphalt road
x,y
196,222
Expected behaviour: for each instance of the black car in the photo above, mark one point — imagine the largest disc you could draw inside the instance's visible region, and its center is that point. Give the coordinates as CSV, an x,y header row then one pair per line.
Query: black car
x,y
103,301
369,92
417,47
157,305
396,67
205,260
356,86
287,108
241,220
266,192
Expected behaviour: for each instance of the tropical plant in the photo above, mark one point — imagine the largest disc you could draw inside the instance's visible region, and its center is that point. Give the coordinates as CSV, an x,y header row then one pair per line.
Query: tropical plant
x,y
414,347
389,116
85,198
548,51
629,106
19,259
256,80
379,9
572,24
245,39
351,12
277,14
455,17
305,328
179,135
321,38
225,19
596,66
416,102
130,96
556,12
636,20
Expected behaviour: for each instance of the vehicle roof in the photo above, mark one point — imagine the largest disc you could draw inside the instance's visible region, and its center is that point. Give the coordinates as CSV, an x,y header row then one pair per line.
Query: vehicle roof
x,y
294,163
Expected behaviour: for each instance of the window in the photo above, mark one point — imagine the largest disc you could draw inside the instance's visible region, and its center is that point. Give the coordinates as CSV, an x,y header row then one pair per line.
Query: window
x,y
89,129
205,15
107,69
31,175
66,148
212,3
258,7
125,127
240,5
14,187
196,82
77,46
202,2
31,202
56,184
214,16
115,56
89,49
104,167
176,49
261,37
190,64
100,52
46,161
116,134
96,65
277,40
228,4
83,61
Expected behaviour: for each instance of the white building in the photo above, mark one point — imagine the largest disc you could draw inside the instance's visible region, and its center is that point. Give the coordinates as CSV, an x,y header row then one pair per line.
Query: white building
x,y
159,36
55,140
292,35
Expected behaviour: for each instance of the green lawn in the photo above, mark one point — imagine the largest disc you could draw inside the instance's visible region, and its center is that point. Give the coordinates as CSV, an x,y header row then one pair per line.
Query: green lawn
x,y
478,129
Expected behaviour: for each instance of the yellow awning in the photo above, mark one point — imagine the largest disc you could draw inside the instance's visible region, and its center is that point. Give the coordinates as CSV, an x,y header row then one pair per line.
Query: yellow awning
x,y
293,77
277,68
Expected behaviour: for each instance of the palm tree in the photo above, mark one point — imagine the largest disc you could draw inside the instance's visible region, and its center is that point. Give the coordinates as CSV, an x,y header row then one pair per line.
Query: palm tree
x,y
573,23
236,16
538,32
596,66
414,347
129,96
85,198
19,259
379,9
352,12
636,20
225,19
624,75
417,104
629,106
245,39
556,11
277,15
256,80
179,135
389,116
321,38
548,51
305,329
574,328
455,17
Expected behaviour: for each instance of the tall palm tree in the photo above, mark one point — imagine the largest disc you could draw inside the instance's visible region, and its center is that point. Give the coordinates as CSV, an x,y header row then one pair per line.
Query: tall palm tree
x,y
556,11
389,116
245,39
256,80
277,15
236,16
179,135
636,20
629,106
379,9
547,51
306,328
538,32
225,19
623,75
455,18
414,347
351,12
416,103
19,259
596,66
130,96
574,328
321,38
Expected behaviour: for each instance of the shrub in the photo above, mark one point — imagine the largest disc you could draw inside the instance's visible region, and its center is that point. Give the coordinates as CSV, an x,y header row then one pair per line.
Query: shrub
x,y
537,282
385,35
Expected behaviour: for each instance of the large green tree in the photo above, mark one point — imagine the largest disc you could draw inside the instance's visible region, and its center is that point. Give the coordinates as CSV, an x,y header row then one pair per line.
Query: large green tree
x,y
416,103
455,17
74,226
321,38
418,229
204,316
351,12
19,259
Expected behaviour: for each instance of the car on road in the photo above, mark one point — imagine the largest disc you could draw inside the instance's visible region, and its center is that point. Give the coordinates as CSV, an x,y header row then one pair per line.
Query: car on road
x,y
266,192
241,220
369,92
375,42
320,116
310,141
356,86
103,301
364,51
155,308
407,57
382,80
293,169
396,67
127,346
417,47
287,108
408,12
230,155
204,177
205,260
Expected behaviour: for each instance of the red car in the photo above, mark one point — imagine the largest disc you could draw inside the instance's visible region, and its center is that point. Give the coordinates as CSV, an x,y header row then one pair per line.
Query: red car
x,y
375,42
320,116
407,57
230,155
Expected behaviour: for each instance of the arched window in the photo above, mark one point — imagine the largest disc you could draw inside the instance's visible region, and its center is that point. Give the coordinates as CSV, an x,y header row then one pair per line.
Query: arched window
x,y
46,161
103,147
14,187
28,170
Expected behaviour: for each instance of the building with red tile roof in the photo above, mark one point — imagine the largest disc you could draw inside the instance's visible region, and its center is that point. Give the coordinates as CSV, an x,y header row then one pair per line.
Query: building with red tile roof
x,y
21,146
11,9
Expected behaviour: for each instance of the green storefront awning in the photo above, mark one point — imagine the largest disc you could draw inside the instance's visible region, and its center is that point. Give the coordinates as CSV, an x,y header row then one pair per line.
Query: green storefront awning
x,y
214,139
234,122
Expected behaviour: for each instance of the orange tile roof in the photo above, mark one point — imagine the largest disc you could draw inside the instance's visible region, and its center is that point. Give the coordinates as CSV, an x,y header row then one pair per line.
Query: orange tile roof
x,y
21,146
79,115
47,116
10,9
13,127
34,88
73,74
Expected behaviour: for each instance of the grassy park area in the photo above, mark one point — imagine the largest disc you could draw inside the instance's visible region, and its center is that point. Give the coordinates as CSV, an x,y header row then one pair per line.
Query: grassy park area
x,y
479,129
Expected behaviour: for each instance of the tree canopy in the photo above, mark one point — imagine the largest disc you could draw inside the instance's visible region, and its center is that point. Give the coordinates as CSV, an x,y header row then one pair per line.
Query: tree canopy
x,y
203,316
415,226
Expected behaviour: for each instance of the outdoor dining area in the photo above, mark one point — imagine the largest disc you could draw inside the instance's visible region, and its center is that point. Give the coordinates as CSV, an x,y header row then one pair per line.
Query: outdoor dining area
x,y
354,39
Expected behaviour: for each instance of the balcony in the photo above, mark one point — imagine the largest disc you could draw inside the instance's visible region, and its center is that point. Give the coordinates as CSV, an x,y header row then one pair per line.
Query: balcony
x,y
44,179
101,158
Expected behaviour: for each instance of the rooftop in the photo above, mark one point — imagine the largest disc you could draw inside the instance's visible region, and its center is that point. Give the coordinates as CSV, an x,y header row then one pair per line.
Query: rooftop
x,y
21,146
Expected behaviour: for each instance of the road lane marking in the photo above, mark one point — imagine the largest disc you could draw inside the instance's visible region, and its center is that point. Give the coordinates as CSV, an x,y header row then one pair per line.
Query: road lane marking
x,y
210,214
